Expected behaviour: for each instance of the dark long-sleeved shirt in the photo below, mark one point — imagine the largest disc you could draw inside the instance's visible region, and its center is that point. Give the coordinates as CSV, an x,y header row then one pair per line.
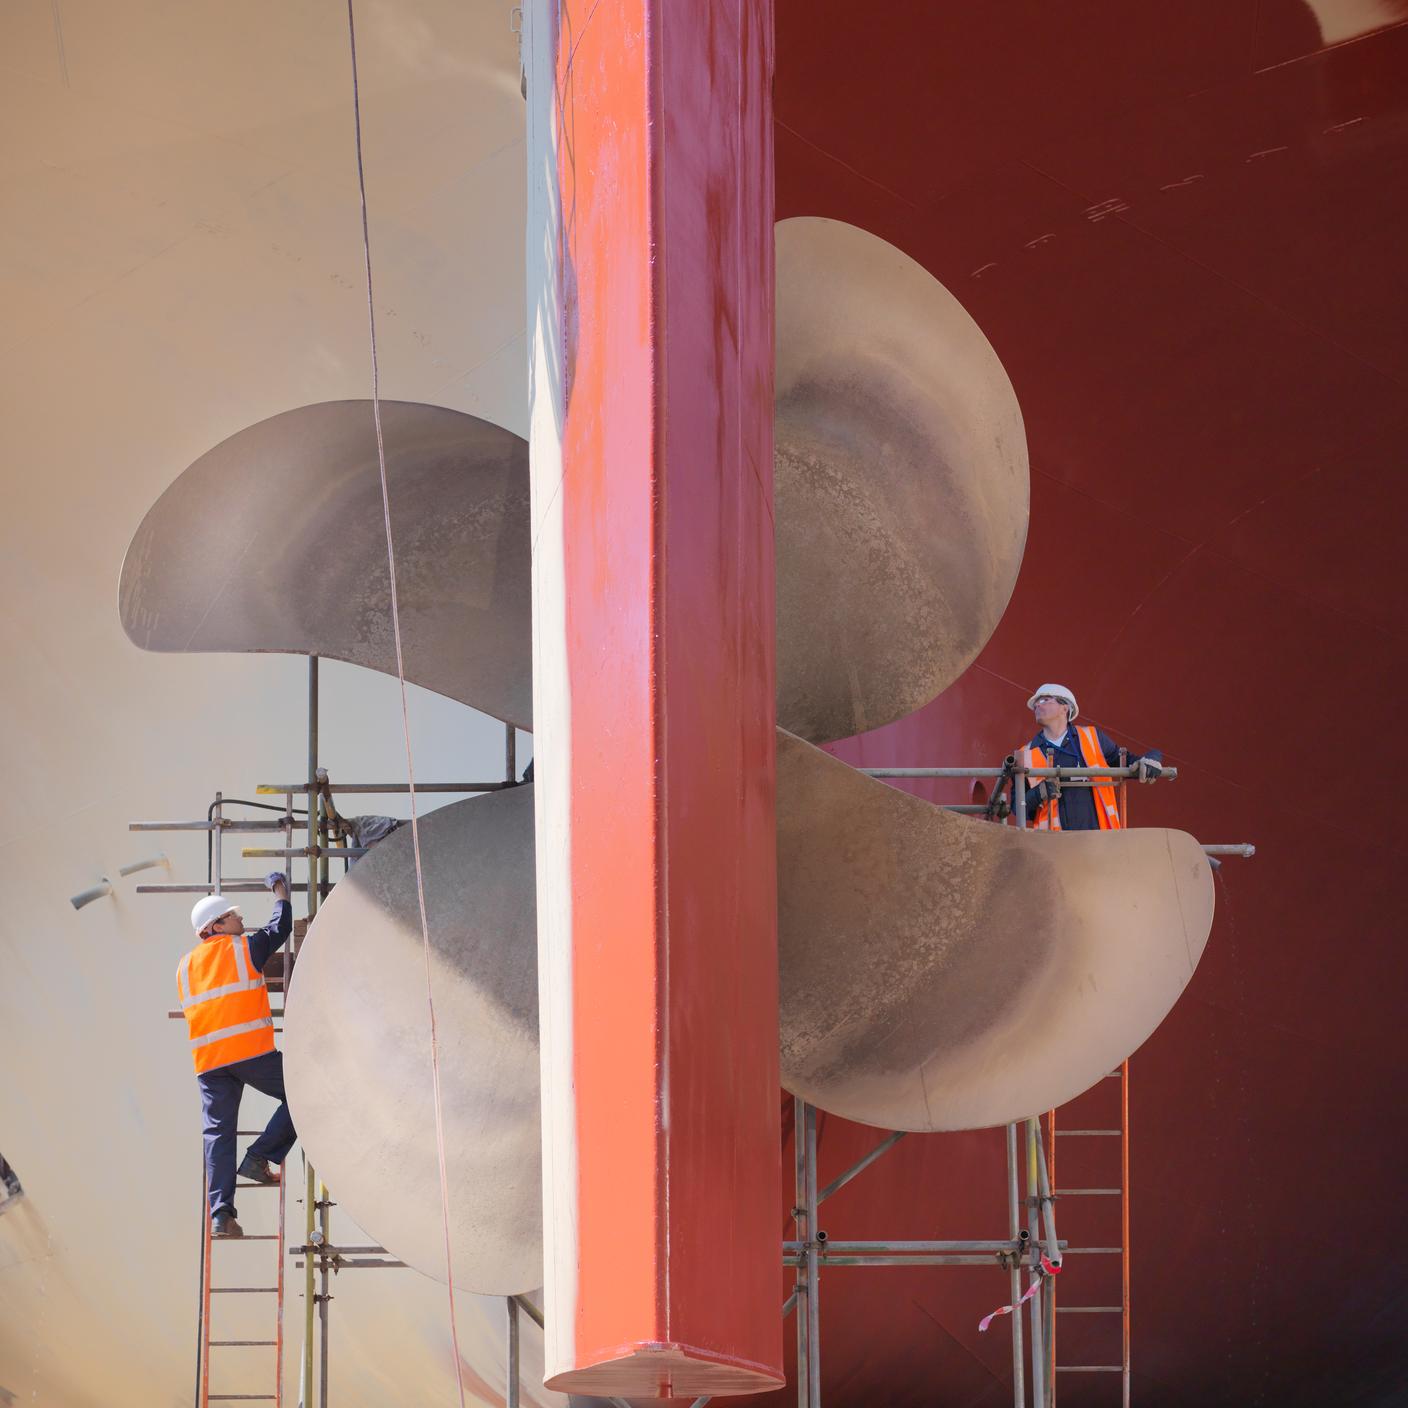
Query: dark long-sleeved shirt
x,y
1077,804
265,942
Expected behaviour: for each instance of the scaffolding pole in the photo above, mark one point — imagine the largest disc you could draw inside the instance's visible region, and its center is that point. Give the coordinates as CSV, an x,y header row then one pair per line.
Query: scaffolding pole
x,y
1039,1375
1014,1222
305,1391
514,1373
811,1250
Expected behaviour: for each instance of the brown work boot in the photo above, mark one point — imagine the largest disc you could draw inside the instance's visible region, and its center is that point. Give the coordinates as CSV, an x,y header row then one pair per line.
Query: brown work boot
x,y
223,1224
257,1170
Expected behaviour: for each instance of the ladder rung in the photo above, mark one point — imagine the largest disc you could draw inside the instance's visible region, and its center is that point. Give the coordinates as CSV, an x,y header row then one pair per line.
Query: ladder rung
x,y
1090,1310
1090,1368
1087,1192
1094,1251
1068,1133
243,1397
244,1290
231,1344
256,1185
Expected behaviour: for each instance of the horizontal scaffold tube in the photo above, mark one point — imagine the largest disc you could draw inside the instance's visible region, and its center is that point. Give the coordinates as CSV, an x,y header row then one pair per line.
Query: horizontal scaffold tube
x,y
227,887
1065,774
270,789
888,1248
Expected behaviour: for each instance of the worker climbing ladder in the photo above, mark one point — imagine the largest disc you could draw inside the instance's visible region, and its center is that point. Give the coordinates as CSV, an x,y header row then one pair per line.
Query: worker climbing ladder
x,y
213,1248
319,1258
1098,1151
276,976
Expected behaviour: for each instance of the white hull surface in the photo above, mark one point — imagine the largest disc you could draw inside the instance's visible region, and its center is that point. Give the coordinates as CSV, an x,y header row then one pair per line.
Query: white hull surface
x,y
181,258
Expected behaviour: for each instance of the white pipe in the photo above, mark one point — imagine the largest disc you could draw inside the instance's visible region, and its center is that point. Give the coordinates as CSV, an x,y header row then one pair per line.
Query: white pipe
x,y
95,893
150,863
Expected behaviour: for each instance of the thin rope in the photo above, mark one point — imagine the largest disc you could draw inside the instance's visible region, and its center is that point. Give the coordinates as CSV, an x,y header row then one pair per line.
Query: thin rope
x,y
405,712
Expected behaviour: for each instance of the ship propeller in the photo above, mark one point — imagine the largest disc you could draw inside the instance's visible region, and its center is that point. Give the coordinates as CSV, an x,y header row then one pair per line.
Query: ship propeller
x,y
936,972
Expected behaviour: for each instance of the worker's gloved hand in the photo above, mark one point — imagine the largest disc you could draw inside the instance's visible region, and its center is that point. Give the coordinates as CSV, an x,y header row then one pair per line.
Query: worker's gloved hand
x,y
1148,770
273,878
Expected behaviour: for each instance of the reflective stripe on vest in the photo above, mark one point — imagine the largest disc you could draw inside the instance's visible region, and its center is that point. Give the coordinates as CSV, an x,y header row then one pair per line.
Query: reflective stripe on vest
x,y
1107,807
226,1003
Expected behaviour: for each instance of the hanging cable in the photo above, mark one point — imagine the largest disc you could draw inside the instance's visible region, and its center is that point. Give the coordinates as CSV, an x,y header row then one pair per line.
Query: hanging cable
x,y
405,712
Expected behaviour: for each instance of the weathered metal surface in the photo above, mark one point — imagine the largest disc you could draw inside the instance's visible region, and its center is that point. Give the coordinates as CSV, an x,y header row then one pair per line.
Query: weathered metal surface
x,y
357,1045
943,973
902,488
901,512
275,541
936,972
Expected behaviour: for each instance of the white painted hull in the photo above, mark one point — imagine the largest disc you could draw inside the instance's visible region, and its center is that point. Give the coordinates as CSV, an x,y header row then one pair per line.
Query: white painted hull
x,y
181,257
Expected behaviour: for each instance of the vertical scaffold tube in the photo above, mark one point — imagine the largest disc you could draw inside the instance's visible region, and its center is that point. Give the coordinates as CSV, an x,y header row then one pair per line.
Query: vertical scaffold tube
x,y
511,1386
799,1215
813,1270
324,1296
310,1194
1014,1228
1034,1238
305,1389
217,842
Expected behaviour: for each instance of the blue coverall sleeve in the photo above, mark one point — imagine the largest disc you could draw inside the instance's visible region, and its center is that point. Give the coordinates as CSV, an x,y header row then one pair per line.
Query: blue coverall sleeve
x,y
1111,750
263,943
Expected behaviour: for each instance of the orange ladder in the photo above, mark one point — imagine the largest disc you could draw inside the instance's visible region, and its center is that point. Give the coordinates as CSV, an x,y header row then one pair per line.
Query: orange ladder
x,y
277,970
1122,1251
204,1396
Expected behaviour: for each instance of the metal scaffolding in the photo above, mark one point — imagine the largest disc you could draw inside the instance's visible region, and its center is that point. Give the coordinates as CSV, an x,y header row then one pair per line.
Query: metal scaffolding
x,y
1030,1252
317,1256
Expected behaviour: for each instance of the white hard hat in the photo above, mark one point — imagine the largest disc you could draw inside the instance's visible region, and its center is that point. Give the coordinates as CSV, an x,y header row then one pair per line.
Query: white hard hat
x,y
1060,692
211,908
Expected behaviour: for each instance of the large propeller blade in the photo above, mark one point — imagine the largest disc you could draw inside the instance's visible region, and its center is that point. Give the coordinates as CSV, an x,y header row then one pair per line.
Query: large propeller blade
x,y
939,972
901,483
357,1045
275,541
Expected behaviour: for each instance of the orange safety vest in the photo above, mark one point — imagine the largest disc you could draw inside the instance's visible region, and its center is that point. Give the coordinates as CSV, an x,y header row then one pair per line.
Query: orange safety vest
x,y
1107,806
225,1002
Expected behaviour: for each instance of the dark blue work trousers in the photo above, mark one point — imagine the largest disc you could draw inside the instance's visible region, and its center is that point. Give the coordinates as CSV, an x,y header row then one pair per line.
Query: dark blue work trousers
x,y
220,1092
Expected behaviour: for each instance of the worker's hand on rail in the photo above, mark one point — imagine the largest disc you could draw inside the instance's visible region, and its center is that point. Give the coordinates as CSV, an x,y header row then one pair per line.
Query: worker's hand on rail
x,y
274,880
1148,770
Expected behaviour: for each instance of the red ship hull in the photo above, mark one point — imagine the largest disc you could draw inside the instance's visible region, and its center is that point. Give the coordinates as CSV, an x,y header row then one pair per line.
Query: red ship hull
x,y
1182,230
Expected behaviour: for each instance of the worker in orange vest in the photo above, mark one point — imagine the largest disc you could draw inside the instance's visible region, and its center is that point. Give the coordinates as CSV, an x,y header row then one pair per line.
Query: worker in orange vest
x,y
221,988
1060,743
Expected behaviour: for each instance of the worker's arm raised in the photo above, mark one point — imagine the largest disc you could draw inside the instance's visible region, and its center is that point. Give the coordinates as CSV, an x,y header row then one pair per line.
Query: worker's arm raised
x,y
263,942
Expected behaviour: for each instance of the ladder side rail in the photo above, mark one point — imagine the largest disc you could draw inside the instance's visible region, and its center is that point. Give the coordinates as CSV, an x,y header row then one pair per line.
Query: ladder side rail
x,y
279,1305
1051,1285
203,1311
1124,1231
